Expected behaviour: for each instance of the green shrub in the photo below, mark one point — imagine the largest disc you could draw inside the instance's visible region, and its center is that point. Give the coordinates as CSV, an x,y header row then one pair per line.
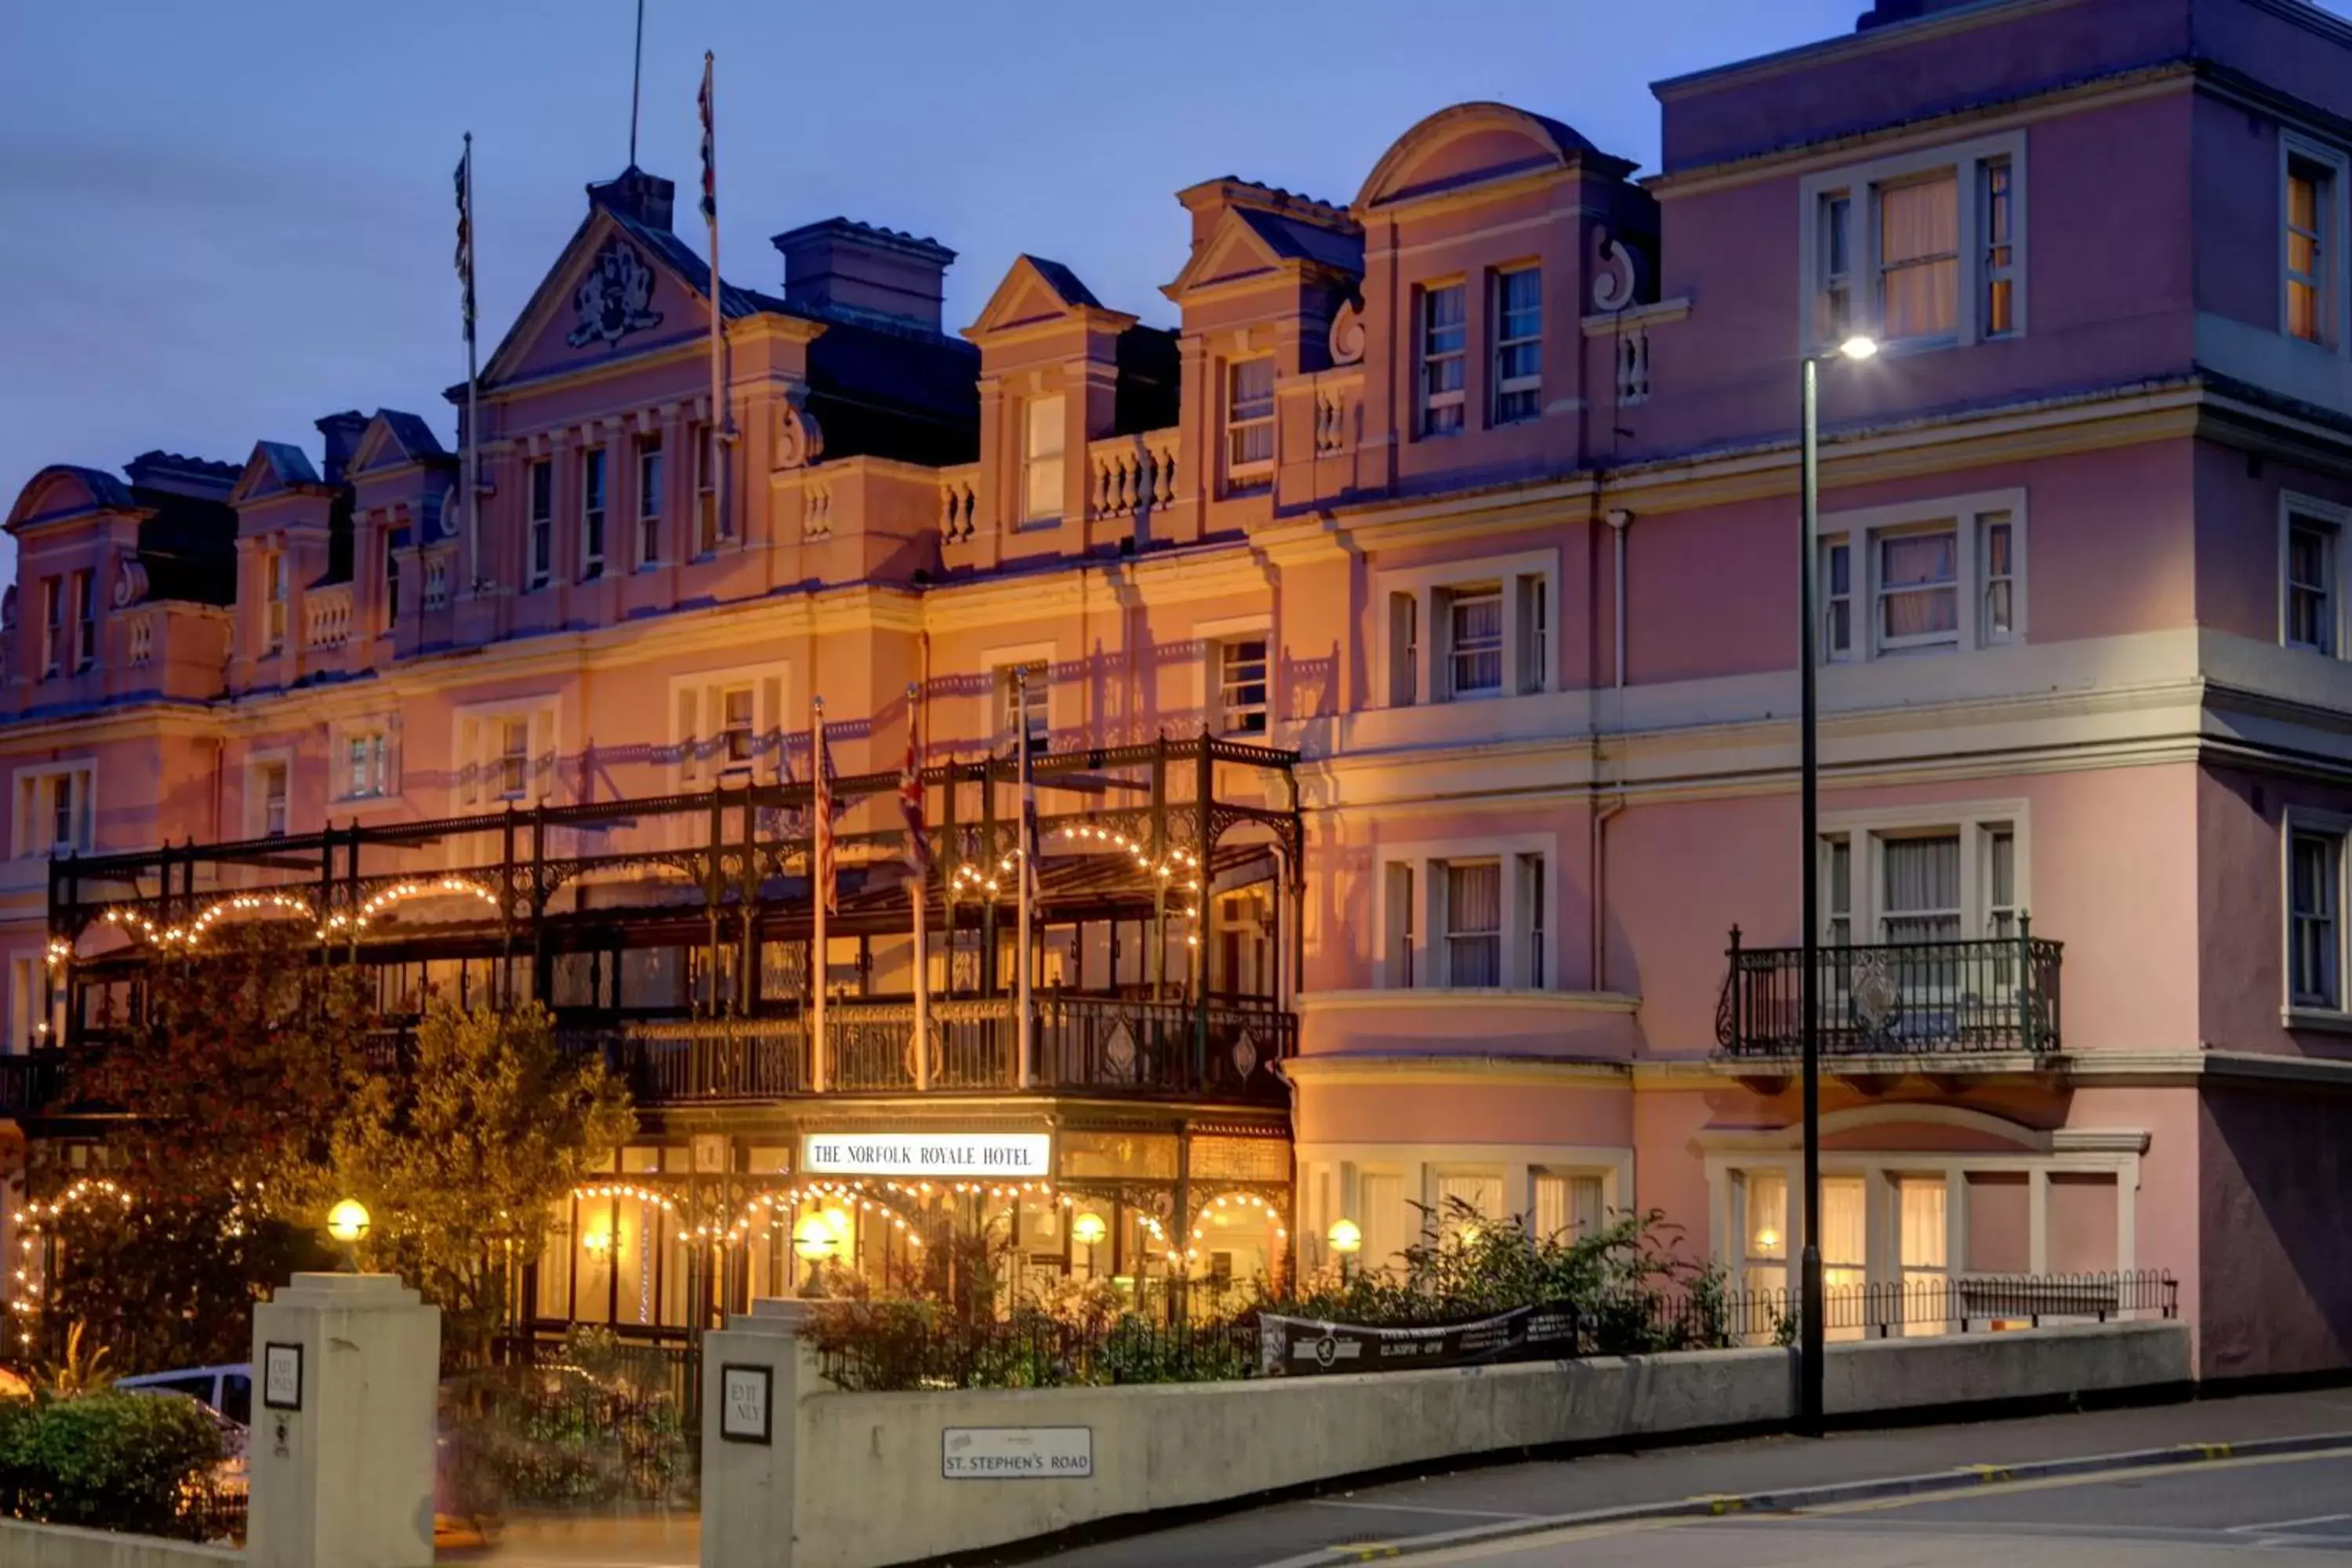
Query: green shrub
x,y
108,1461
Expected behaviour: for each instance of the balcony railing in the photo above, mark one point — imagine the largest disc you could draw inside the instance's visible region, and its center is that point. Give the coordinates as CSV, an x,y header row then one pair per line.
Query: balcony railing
x,y
30,1084
1084,1045
1921,998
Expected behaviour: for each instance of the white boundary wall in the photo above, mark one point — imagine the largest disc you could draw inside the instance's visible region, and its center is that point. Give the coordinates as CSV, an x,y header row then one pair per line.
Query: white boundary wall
x,y
25,1545
853,1481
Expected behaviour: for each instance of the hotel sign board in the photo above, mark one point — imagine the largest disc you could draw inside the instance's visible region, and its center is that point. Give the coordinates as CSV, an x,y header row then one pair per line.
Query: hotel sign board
x,y
969,1156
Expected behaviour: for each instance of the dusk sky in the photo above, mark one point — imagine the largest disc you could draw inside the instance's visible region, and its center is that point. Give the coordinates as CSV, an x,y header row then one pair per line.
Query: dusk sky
x,y
225,220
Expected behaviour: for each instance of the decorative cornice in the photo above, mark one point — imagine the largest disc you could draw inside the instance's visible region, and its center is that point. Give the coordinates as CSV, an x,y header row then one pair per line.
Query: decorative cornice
x,y
1352,1067
1460,999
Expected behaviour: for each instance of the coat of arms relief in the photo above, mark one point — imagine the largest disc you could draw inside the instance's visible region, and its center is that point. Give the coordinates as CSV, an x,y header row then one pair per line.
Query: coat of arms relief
x,y
615,299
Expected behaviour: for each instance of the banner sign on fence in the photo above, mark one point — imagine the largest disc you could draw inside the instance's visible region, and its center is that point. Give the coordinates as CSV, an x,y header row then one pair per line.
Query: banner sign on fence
x,y
980,1156
1017,1452
1299,1347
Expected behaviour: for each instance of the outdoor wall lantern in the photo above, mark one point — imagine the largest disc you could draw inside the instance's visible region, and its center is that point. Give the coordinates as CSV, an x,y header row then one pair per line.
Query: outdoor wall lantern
x,y
1088,1230
814,1238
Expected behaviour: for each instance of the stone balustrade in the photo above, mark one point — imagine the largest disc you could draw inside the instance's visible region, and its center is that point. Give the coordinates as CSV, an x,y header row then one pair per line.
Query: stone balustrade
x,y
327,618
1131,474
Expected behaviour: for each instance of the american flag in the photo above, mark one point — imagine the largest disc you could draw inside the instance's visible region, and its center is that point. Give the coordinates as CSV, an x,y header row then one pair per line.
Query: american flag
x,y
828,887
465,181
709,147
911,795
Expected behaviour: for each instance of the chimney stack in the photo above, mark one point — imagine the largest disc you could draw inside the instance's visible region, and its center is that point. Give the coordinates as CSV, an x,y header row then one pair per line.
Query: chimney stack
x,y
341,433
856,272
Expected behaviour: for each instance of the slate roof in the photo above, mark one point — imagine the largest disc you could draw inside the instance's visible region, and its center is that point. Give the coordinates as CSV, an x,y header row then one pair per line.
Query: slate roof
x,y
1065,282
1296,241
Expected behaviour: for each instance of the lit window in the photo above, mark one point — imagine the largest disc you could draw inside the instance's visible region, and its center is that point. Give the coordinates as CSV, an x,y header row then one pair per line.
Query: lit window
x,y
591,514
542,523
2310,192
1923,1243
649,499
1024,703
735,724
1042,435
1764,1244
1998,232
1475,641
2313,884
1474,923
1567,1207
1249,423
1241,686
514,758
273,800
1918,590
1444,335
1519,345
2310,584
1919,258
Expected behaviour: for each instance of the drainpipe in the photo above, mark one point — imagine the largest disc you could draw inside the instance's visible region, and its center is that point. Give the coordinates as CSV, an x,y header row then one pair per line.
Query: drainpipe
x,y
1620,520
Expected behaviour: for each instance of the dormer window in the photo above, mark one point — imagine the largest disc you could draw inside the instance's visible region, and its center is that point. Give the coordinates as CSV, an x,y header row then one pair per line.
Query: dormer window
x,y
85,605
53,626
1249,424
1042,437
1443,337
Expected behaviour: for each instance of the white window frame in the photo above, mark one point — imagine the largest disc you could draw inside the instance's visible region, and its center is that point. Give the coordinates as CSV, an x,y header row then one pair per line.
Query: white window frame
x,y
1499,386
275,595
1860,184
647,449
1254,473
2337,520
2295,1011
1425,402
81,615
1000,662
1976,821
1421,964
697,710
538,536
479,763
710,524
1505,597
1208,690
1860,531
1042,510
35,810
1429,660
258,765
383,730
53,625
2334,245
596,521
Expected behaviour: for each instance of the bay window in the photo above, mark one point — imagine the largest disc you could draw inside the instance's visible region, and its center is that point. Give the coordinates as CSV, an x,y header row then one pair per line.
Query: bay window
x,y
1467,915
1454,633
1926,247
1922,1249
1569,1204
1764,1230
1474,923
1475,641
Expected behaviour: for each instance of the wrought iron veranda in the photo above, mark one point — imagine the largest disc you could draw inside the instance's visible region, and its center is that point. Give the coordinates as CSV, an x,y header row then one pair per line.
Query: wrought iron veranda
x,y
1998,995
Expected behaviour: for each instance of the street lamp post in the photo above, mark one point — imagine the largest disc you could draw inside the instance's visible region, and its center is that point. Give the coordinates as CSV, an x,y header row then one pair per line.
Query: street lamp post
x,y
1812,1330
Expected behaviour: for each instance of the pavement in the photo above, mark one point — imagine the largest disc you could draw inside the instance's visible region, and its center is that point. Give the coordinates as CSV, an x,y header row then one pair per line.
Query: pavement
x,y
1510,1515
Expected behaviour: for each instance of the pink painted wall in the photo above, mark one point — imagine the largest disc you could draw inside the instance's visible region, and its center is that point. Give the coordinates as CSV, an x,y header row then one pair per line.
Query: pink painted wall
x,y
1466,1111
2275,1275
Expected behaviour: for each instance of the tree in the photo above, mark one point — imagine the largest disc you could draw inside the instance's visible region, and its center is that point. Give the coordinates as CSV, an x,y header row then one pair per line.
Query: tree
x,y
460,1158
224,1083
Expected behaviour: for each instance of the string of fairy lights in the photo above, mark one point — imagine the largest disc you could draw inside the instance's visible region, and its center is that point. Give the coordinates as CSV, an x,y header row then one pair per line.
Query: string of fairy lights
x,y
974,880
288,905
37,1215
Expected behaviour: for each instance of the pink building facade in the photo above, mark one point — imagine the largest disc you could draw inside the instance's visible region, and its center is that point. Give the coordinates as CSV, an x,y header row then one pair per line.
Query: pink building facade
x,y
1462,516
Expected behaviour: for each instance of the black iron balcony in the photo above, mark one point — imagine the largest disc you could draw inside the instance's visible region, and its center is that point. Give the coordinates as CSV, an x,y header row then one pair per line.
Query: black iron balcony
x,y
1084,1044
30,1084
1903,999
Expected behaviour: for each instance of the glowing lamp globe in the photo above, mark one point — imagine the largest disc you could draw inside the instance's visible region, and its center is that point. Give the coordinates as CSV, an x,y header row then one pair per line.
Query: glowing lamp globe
x,y
348,1221
836,1222
812,1238
1087,1229
1345,1236
1859,346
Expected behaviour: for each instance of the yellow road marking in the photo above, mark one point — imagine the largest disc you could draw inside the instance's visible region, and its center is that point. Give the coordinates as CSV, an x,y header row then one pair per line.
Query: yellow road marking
x,y
2087,1478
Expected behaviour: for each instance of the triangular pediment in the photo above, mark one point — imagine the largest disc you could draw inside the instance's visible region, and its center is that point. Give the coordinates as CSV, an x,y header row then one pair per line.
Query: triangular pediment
x,y
1233,251
274,468
618,287
1035,293
393,439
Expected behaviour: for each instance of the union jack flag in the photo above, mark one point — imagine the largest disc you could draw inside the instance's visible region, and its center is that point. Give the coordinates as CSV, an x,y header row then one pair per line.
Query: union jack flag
x,y
465,181
710,146
911,795
827,886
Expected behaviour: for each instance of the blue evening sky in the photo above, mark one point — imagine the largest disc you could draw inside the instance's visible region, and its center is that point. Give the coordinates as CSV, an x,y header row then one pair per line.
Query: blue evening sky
x,y
219,221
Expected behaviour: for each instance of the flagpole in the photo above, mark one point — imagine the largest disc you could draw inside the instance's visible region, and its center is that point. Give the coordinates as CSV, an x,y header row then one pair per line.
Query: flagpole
x,y
820,831
722,420
473,415
919,885
1027,1026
